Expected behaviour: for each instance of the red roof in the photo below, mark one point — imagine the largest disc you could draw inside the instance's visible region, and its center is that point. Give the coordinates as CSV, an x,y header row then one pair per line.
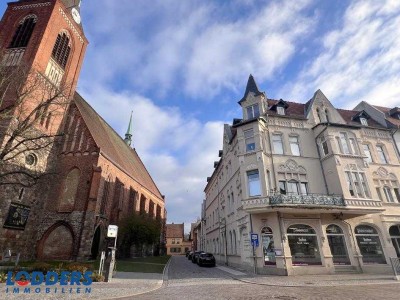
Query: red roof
x,y
386,111
114,147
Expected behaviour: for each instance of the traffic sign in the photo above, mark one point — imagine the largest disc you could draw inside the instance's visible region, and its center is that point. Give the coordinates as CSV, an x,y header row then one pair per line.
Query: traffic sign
x,y
254,240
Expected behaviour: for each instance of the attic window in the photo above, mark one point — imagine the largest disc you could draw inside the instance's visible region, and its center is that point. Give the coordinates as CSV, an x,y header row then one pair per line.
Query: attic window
x,y
280,110
253,111
364,121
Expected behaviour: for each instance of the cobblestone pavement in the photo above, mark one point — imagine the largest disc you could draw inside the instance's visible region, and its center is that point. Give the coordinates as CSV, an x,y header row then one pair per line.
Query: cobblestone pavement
x,y
188,281
125,284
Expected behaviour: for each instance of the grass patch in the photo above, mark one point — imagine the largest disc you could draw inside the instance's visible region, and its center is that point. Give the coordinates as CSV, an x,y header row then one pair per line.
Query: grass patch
x,y
151,264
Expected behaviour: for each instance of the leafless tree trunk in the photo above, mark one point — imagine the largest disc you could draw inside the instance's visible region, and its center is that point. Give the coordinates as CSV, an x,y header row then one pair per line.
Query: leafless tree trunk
x,y
29,105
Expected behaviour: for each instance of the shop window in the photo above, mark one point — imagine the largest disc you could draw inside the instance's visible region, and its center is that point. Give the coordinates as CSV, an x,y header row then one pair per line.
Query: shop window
x,y
370,245
337,244
303,245
267,240
394,232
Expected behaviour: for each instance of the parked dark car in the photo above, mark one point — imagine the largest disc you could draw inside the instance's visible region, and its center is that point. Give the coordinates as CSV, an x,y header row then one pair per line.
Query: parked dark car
x,y
187,253
190,255
195,256
206,259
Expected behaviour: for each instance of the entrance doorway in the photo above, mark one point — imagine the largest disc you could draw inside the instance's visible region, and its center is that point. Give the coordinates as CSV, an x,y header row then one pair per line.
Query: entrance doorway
x,y
96,243
337,244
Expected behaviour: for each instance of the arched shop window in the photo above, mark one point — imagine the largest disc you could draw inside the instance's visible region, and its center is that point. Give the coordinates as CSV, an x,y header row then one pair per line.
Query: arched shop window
x,y
303,245
337,244
394,232
370,245
267,240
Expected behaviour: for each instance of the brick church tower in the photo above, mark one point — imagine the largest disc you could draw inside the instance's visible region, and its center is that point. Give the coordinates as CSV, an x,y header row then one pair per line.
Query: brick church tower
x,y
93,178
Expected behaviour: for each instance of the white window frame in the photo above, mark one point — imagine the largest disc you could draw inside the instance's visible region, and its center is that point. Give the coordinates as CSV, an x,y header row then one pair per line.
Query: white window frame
x,y
357,183
276,140
364,121
249,140
381,154
249,183
254,112
280,110
367,153
294,144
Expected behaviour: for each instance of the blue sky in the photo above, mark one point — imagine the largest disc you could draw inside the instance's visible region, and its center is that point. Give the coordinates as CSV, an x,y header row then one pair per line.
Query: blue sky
x,y
181,66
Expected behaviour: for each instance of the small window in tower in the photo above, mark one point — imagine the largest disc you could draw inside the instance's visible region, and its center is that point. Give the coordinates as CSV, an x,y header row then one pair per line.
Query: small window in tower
x,y
61,50
24,32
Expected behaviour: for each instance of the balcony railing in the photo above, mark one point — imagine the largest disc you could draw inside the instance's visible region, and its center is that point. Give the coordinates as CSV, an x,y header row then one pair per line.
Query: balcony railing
x,y
307,199
295,200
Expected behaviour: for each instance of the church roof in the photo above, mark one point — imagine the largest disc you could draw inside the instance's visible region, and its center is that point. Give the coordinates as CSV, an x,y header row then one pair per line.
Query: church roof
x,y
114,147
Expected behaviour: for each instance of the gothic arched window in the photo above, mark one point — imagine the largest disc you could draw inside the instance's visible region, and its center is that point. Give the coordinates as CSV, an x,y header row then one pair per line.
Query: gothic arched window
x,y
24,31
62,49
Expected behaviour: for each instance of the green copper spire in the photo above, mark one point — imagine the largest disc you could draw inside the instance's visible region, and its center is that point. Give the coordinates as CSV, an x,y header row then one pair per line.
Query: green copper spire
x,y
128,134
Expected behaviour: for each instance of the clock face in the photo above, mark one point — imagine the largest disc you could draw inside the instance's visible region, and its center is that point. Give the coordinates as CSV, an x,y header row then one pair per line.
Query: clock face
x,y
76,15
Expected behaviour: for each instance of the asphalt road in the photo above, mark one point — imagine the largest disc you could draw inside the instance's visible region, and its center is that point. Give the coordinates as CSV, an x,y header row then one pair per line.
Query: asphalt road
x,y
189,281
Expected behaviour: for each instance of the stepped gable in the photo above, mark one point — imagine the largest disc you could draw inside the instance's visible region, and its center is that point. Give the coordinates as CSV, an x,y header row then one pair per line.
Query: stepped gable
x,y
114,147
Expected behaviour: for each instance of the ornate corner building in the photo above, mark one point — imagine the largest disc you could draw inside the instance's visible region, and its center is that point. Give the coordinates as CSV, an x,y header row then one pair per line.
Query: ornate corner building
x,y
96,178
305,188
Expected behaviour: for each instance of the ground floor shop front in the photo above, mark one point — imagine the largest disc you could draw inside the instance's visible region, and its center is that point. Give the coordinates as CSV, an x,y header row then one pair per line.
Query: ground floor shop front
x,y
293,244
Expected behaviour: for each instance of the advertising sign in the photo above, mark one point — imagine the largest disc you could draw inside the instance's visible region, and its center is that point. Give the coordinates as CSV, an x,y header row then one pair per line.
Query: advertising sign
x,y
17,216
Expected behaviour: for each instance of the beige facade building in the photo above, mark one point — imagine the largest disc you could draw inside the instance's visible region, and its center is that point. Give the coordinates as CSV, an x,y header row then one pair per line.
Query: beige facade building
x,y
176,242
316,187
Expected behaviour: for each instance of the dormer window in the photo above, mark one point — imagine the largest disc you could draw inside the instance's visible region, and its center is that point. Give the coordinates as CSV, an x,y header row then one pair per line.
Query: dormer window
x,y
280,110
364,121
253,111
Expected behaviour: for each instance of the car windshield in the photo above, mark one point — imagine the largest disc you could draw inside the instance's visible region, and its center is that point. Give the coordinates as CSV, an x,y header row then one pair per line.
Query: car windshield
x,y
206,255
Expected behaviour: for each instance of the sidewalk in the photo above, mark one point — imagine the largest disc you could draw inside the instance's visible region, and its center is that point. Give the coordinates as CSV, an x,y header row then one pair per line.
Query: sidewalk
x,y
124,284
309,280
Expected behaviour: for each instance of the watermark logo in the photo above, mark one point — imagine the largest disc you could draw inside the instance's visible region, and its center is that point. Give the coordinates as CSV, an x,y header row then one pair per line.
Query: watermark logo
x,y
37,282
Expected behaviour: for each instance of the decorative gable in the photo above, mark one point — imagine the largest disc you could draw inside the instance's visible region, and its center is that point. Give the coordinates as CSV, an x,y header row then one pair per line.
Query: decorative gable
x,y
321,110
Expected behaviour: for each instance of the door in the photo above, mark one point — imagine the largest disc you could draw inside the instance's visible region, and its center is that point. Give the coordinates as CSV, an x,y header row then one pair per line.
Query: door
x,y
337,244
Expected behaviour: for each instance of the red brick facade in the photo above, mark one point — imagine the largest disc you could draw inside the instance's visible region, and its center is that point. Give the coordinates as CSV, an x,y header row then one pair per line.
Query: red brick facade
x,y
98,178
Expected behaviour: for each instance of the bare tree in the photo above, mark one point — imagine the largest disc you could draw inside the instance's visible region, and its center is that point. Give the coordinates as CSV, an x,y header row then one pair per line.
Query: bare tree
x,y
31,112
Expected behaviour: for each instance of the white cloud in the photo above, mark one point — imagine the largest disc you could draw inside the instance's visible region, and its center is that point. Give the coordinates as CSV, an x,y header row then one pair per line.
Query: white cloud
x,y
177,150
192,44
358,61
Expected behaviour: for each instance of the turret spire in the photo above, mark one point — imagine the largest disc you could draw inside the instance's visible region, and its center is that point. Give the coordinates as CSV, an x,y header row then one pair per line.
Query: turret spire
x,y
128,134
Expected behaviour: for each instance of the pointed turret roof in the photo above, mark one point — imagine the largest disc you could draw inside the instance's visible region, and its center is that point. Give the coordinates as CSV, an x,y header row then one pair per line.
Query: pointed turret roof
x,y
128,134
251,87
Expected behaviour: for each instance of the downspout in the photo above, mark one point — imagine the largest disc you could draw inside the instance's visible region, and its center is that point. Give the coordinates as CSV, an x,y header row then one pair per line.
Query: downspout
x,y
319,154
279,213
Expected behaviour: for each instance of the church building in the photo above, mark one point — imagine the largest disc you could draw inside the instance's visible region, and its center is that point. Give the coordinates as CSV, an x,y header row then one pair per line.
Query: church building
x,y
93,177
